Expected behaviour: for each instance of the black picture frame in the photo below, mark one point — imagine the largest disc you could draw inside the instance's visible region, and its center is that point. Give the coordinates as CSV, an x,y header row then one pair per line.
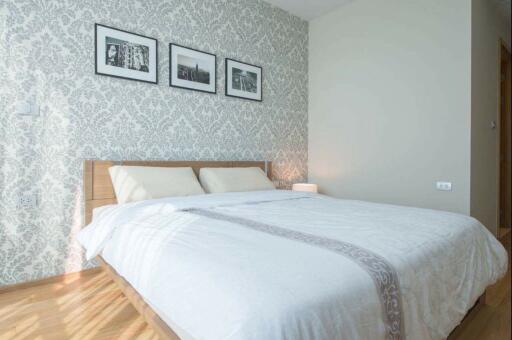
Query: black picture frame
x,y
96,57
226,80
173,72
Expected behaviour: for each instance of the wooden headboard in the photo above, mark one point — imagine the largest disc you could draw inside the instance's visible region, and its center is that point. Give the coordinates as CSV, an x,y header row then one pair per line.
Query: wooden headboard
x,y
98,189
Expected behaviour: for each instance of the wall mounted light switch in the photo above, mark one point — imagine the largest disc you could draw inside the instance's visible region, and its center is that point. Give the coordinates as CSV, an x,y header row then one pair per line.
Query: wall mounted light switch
x,y
29,108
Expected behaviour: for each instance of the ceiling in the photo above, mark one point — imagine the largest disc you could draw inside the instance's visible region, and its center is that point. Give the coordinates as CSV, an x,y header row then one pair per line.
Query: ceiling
x,y
308,9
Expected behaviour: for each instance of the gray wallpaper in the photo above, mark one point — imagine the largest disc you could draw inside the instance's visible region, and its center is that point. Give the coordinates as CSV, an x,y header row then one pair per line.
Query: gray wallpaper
x,y
47,54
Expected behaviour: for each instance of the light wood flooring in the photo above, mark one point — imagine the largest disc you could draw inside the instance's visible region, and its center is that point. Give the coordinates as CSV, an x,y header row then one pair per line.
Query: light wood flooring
x,y
88,305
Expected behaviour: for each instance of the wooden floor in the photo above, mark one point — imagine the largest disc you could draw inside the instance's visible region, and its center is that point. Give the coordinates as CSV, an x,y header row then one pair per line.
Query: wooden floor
x,y
84,307
90,306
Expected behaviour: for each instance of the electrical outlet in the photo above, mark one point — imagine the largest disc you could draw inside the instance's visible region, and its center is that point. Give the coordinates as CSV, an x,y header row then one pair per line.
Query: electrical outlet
x,y
444,186
26,200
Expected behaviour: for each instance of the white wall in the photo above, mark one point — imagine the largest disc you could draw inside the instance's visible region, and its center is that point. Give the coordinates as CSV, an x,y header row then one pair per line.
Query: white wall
x,y
389,102
486,30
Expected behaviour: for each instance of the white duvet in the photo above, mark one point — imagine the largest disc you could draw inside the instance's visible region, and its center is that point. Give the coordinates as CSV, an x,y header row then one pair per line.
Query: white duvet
x,y
213,279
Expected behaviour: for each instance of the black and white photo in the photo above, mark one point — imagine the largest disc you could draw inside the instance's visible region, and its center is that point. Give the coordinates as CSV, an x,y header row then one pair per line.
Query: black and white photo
x,y
192,69
126,55
243,80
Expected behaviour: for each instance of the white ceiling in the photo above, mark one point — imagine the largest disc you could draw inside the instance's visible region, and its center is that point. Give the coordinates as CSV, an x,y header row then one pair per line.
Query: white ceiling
x,y
308,9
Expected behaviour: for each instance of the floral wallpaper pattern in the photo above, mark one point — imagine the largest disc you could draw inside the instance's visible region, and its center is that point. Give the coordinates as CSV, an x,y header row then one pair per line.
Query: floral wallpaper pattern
x,y
47,55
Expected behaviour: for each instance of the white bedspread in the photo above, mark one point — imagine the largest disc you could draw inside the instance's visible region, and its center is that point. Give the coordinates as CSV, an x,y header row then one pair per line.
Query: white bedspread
x,y
212,279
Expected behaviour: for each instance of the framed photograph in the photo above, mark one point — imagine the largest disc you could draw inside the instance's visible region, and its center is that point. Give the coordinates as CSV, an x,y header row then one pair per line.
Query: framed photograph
x,y
126,55
243,80
192,69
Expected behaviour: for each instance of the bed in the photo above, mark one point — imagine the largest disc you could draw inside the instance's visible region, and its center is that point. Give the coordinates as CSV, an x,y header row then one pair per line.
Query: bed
x,y
287,265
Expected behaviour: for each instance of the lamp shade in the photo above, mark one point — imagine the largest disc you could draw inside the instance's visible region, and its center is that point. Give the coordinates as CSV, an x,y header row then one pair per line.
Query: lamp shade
x,y
308,187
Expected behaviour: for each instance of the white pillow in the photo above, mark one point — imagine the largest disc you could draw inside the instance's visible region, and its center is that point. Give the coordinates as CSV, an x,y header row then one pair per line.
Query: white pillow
x,y
215,180
138,183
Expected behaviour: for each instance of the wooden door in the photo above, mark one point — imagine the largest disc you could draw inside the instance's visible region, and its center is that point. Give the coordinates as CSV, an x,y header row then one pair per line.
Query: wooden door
x,y
505,143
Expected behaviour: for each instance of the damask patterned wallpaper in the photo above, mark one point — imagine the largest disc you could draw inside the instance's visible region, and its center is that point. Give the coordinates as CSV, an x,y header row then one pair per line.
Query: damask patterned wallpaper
x,y
47,54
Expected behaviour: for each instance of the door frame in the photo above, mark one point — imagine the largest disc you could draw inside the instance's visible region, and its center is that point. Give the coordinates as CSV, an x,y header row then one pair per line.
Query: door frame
x,y
501,45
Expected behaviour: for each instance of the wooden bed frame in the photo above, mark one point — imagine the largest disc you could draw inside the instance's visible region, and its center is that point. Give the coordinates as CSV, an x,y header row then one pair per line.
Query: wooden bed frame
x,y
99,192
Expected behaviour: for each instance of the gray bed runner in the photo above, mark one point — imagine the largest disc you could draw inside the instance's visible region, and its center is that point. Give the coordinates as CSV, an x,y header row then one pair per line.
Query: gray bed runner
x,y
381,271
